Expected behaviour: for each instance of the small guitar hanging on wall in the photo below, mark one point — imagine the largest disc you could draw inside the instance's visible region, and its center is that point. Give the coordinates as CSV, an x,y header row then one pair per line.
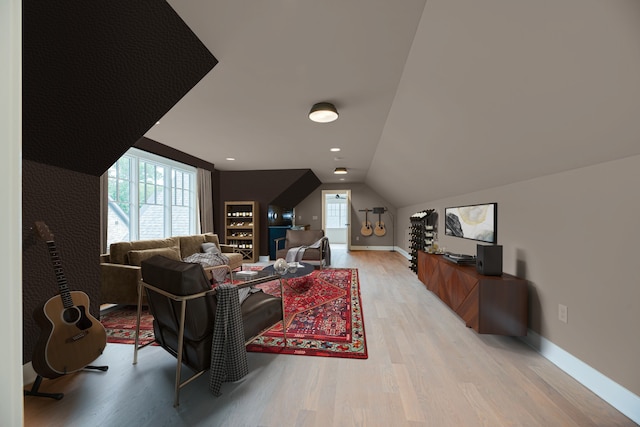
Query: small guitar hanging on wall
x,y
367,229
380,229
71,338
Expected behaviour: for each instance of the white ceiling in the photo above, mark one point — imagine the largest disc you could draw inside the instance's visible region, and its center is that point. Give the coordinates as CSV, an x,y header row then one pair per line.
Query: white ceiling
x,y
435,100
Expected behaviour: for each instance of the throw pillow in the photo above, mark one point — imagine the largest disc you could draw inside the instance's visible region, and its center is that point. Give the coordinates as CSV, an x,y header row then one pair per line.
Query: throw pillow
x,y
212,238
210,248
137,256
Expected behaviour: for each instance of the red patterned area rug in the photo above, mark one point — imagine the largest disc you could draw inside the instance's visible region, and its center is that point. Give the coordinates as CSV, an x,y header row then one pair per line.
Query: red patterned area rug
x,y
323,313
120,324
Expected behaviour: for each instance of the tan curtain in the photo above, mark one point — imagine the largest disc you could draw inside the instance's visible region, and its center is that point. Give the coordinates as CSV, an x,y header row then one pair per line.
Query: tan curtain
x,y
205,201
104,211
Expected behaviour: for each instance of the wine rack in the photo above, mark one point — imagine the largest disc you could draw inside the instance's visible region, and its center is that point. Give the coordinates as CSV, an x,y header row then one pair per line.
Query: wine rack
x,y
241,228
423,234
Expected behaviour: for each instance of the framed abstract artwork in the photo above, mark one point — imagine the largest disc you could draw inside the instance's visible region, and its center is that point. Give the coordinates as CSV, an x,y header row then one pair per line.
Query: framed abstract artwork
x,y
474,222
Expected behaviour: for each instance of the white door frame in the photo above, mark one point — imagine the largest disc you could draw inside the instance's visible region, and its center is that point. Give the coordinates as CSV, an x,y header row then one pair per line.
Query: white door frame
x,y
324,216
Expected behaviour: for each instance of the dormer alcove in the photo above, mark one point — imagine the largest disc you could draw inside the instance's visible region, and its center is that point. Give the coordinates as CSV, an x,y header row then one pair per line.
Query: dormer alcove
x,y
96,77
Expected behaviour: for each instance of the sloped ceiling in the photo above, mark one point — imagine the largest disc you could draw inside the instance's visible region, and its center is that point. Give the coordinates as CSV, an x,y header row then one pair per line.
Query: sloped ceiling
x,y
278,58
98,75
436,98
496,92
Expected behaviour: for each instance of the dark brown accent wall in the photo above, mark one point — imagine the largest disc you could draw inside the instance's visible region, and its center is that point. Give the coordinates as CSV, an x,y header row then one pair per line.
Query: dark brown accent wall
x,y
268,187
297,190
165,151
97,75
284,188
68,203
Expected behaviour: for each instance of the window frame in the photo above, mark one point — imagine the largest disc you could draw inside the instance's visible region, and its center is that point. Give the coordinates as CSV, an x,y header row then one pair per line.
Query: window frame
x,y
171,167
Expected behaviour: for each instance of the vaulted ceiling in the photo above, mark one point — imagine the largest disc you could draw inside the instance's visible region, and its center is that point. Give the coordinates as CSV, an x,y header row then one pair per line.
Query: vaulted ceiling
x,y
436,98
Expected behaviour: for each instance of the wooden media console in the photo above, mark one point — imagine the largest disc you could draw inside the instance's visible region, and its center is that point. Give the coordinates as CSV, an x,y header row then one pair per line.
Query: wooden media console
x,y
488,304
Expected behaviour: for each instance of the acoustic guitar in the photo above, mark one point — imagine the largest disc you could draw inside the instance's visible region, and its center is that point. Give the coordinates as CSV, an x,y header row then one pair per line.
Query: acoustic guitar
x,y
71,338
380,229
366,229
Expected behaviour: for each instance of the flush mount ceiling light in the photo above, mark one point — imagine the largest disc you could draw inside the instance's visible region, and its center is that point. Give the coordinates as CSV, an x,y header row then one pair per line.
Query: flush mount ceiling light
x,y
340,171
323,112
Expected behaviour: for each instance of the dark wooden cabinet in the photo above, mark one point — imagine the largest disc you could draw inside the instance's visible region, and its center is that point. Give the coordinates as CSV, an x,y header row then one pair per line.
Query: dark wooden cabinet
x,y
488,304
241,228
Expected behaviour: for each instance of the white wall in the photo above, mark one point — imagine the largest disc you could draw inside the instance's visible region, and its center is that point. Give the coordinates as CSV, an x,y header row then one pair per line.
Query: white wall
x,y
362,197
574,236
11,400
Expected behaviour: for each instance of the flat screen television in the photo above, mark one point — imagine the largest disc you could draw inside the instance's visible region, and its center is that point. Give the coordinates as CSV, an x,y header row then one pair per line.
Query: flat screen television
x,y
474,222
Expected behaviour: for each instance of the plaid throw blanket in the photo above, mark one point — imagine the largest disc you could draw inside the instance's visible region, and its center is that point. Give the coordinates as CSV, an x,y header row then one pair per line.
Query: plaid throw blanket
x,y
228,353
296,254
211,259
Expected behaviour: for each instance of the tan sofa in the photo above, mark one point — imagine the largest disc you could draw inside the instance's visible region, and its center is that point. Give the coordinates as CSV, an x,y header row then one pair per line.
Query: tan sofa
x,y
120,268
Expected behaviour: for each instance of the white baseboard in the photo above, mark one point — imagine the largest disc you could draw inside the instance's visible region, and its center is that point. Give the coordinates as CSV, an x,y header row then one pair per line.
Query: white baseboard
x,y
406,254
611,392
372,248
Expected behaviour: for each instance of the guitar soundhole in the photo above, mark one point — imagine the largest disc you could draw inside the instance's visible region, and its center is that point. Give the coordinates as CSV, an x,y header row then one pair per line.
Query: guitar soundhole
x,y
71,315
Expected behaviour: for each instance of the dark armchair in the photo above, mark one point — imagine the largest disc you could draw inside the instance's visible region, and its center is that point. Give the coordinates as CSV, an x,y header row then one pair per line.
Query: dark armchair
x,y
320,256
184,306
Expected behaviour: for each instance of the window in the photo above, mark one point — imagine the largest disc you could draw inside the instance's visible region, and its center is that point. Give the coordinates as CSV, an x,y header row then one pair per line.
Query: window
x,y
336,212
150,197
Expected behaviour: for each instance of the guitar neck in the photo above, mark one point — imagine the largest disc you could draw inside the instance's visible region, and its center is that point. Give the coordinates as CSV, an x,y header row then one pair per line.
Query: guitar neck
x,y
65,294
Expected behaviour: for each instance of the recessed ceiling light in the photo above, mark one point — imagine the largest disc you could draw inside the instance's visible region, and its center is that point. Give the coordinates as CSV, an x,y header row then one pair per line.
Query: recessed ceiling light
x,y
340,171
158,122
338,158
231,158
341,179
335,149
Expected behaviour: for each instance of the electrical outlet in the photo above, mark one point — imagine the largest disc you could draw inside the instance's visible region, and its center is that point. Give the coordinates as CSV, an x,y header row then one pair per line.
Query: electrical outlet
x,y
563,313
357,238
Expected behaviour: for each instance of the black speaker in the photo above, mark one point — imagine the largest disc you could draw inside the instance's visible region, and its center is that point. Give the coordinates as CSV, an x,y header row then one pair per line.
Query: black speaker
x,y
489,260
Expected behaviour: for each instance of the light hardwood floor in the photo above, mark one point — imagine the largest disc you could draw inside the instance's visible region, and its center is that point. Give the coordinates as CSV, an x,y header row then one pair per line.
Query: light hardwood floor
x,y
425,368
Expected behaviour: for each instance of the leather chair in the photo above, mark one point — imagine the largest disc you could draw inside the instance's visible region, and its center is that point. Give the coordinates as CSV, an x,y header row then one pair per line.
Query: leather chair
x,y
296,238
183,306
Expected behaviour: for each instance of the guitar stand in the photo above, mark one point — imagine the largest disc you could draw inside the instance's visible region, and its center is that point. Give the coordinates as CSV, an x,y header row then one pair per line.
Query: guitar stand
x,y
57,396
34,390
97,368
